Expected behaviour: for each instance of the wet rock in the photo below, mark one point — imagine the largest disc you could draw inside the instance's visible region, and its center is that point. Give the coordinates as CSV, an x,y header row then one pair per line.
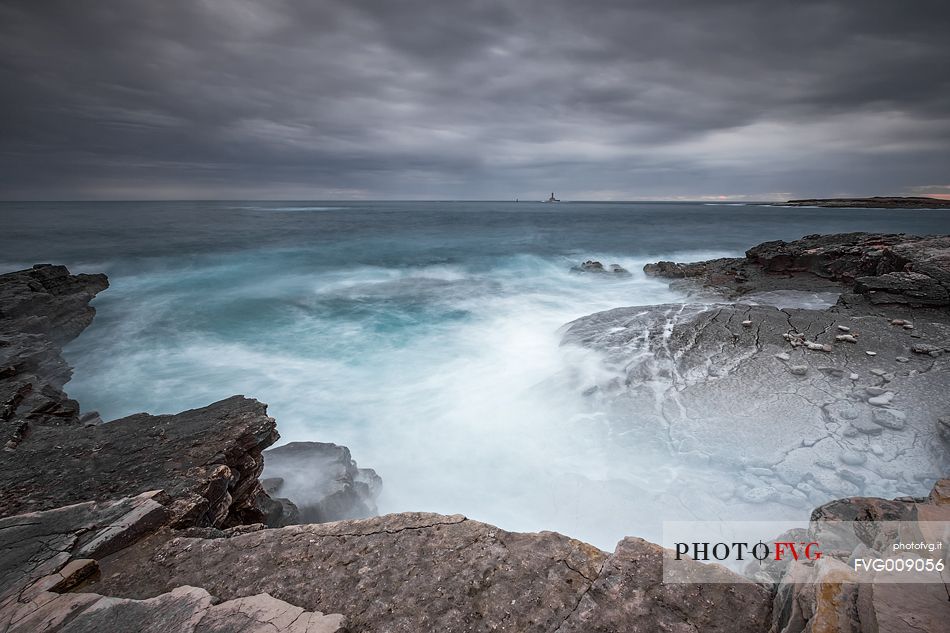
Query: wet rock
x,y
889,418
853,458
856,479
591,266
925,348
943,428
912,288
673,270
867,427
323,481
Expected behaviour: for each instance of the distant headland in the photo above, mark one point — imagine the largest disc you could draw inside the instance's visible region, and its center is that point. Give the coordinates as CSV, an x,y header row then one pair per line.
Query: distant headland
x,y
878,202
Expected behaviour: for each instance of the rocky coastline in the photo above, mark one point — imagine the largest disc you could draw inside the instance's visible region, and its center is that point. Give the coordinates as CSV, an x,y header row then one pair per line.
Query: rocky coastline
x,y
876,202
191,522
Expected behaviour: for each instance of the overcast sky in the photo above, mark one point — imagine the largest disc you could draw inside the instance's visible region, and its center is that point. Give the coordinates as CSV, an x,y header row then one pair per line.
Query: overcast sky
x,y
142,99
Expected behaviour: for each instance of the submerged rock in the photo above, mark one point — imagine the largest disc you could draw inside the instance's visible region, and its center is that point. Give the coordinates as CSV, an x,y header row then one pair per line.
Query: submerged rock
x,y
591,266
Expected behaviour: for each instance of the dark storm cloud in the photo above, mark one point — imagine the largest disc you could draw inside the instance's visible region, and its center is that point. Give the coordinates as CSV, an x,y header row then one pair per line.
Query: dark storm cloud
x,y
288,98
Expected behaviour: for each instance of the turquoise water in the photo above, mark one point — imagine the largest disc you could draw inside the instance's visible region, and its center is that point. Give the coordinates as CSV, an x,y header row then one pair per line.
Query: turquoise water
x,y
423,335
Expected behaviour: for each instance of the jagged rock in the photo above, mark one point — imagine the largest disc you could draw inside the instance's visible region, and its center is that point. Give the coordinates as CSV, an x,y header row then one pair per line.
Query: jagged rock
x,y
322,481
41,309
943,428
925,348
206,460
889,418
591,266
884,268
48,300
673,270
911,288
874,202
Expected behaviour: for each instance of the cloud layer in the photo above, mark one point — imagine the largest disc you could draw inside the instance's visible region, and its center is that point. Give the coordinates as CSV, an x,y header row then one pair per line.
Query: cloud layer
x,y
415,99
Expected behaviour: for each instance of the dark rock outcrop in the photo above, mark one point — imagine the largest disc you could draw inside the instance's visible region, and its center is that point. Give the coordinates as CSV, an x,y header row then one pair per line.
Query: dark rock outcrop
x,y
591,266
207,462
875,202
41,309
46,555
884,268
322,481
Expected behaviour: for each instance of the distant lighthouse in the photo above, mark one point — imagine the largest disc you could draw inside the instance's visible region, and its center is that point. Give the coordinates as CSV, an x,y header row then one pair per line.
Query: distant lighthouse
x,y
552,198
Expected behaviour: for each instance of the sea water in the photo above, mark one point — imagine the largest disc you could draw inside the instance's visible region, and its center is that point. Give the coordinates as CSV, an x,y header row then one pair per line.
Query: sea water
x,y
425,336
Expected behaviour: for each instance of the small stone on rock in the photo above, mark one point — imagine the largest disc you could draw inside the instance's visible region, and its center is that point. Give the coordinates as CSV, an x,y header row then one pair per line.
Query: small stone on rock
x,y
882,400
852,458
889,418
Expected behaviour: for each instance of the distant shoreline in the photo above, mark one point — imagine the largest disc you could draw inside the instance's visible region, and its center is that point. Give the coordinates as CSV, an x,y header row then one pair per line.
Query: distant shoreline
x,y
877,202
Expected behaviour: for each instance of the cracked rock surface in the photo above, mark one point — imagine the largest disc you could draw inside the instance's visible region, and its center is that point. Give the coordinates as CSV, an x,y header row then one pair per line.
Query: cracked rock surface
x,y
781,405
429,572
